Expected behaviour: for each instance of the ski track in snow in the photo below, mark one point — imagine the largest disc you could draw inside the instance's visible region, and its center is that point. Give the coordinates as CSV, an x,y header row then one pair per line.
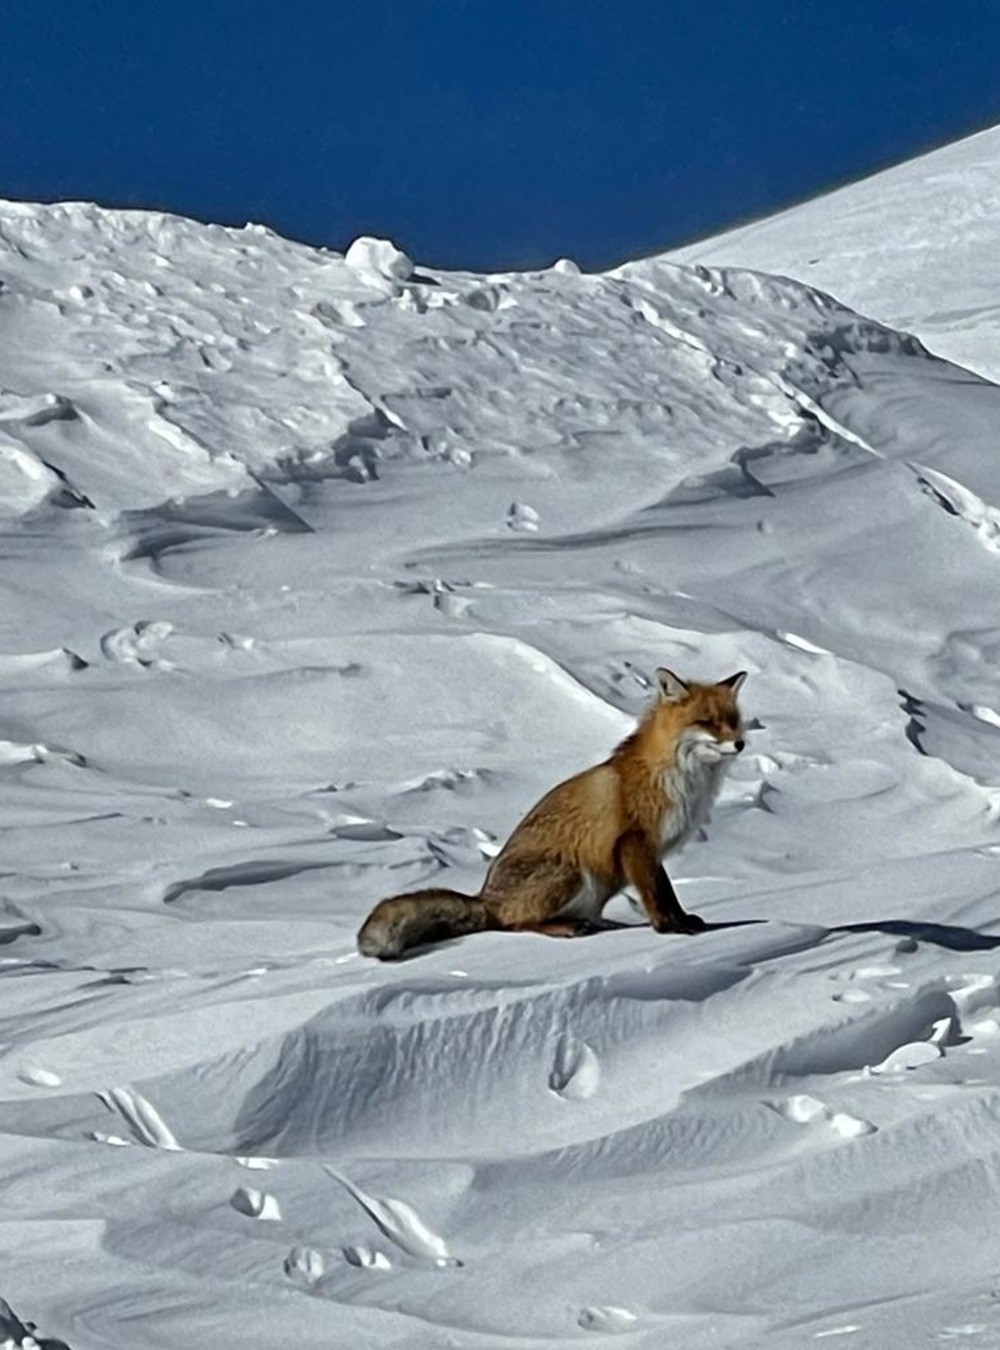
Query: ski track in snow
x,y
318,571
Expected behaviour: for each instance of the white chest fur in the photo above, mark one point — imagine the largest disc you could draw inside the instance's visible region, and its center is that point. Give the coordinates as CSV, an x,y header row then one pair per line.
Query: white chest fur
x,y
692,786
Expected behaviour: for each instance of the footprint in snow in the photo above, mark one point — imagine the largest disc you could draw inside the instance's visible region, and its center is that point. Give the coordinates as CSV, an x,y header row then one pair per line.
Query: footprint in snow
x,y
576,1072
522,517
366,1257
39,1077
607,1319
138,645
805,1110
304,1266
854,994
255,1204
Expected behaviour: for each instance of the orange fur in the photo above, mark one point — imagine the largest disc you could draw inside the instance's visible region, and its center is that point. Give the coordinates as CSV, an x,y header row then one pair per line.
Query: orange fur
x,y
592,834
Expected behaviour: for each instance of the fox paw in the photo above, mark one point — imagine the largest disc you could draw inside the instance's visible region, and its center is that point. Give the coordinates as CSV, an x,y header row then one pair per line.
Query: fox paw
x,y
681,923
692,923
588,927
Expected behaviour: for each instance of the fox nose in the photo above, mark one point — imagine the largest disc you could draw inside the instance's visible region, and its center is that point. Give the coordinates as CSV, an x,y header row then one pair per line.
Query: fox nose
x,y
738,746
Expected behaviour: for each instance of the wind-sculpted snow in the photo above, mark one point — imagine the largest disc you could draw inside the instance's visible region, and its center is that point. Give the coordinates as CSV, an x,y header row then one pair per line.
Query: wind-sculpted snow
x,y
914,246
318,571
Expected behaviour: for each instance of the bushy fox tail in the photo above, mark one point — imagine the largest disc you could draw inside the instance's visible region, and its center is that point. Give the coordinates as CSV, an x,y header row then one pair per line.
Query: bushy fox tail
x,y
419,917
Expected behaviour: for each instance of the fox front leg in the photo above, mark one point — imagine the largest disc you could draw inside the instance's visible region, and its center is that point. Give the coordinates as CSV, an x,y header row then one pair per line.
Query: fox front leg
x,y
659,899
678,919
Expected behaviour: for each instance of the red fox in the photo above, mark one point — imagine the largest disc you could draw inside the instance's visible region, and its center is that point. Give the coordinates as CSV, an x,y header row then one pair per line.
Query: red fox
x,y
592,835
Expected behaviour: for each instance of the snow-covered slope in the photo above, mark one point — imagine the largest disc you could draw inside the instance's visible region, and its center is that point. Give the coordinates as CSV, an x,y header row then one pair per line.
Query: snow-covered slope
x,y
317,571
917,247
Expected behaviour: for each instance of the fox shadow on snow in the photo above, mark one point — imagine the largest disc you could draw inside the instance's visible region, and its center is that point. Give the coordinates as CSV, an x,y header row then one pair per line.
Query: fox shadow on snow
x,y
951,936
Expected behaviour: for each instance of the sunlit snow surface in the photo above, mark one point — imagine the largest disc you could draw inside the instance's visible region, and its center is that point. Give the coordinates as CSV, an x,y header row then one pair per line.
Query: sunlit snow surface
x,y
916,246
316,573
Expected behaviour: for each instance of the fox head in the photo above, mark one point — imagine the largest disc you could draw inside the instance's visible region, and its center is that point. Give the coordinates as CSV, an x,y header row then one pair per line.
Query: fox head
x,y
704,717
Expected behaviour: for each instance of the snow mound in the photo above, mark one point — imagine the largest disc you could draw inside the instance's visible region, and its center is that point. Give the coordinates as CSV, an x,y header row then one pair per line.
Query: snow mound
x,y
378,258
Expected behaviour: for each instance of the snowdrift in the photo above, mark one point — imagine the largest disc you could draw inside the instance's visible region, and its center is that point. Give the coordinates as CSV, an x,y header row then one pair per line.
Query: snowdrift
x,y
317,571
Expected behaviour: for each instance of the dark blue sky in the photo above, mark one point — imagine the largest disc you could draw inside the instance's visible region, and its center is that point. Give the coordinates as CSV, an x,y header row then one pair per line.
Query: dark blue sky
x,y
482,133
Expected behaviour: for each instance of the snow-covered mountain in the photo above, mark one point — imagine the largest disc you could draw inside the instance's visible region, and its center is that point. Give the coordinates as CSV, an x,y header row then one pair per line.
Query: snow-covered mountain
x,y
317,572
917,247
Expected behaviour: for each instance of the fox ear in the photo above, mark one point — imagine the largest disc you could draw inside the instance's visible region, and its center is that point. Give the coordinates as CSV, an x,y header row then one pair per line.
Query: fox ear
x,y
734,682
672,688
